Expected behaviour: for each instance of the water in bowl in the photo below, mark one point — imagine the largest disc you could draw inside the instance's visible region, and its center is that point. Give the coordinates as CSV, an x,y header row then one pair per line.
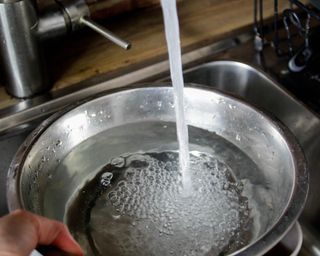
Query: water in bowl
x,y
154,196
134,203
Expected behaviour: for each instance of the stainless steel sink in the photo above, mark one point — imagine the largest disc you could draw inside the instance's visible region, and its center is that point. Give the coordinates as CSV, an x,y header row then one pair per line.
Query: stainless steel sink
x,y
259,89
253,86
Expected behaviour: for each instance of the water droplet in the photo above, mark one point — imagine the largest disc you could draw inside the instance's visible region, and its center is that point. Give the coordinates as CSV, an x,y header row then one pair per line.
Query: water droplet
x,y
221,101
106,179
171,104
231,106
58,143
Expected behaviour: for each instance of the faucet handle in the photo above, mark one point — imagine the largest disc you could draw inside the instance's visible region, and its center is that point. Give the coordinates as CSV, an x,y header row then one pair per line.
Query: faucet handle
x,y
76,13
104,32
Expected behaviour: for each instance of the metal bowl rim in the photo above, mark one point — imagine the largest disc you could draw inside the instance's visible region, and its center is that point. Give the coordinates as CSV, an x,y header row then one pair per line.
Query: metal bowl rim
x,y
258,247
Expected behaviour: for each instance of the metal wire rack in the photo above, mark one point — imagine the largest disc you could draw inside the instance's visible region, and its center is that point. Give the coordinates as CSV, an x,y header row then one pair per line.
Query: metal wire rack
x,y
298,20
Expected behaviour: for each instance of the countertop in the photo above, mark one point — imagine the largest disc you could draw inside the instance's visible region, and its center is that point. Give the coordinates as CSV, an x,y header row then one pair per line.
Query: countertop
x,y
86,56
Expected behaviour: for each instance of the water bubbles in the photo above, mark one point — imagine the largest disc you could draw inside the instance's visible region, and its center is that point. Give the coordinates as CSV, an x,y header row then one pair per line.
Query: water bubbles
x,y
144,212
44,159
118,162
238,137
106,179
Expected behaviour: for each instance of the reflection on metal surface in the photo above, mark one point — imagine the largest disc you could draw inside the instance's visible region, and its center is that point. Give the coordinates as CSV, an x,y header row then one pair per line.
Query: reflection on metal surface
x,y
37,182
262,91
105,33
20,49
234,77
311,244
19,114
290,244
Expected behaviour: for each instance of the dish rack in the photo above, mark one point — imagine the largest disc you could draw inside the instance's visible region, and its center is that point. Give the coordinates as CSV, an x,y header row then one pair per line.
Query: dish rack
x,y
295,34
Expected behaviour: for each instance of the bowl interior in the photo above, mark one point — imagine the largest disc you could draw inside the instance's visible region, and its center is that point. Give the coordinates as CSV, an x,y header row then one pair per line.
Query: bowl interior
x,y
80,145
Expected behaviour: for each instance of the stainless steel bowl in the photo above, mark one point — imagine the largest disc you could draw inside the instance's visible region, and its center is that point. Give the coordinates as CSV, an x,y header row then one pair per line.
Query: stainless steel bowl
x,y
37,182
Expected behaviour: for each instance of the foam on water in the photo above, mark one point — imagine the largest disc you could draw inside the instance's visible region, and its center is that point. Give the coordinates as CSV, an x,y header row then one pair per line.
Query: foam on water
x,y
136,206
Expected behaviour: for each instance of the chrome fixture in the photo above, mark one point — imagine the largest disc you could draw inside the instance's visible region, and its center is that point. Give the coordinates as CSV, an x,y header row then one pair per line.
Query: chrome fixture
x,y
22,29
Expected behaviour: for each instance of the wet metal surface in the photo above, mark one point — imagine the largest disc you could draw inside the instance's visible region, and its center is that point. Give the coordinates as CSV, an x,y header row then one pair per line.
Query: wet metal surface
x,y
256,88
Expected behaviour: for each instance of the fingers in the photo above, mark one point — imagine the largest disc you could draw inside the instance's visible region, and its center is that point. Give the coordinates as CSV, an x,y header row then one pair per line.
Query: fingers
x,y
17,234
55,233
21,232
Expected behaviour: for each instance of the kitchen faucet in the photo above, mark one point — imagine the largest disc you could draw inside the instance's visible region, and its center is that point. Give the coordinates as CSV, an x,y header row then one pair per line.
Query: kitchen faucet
x,y
22,30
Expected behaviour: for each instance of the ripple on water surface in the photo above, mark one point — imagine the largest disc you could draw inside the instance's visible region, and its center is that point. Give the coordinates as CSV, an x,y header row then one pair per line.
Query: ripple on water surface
x,y
136,206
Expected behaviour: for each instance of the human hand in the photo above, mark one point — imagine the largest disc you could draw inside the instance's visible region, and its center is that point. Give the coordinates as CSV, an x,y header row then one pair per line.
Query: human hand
x,y
21,232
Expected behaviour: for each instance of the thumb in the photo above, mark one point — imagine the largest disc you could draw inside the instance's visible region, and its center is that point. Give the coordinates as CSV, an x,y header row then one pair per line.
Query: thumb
x,y
22,231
